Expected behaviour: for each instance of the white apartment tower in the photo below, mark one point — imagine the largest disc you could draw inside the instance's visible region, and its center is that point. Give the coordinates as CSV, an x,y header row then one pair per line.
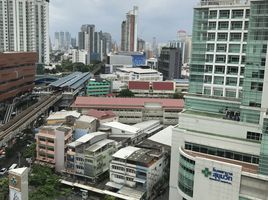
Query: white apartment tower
x,y
24,27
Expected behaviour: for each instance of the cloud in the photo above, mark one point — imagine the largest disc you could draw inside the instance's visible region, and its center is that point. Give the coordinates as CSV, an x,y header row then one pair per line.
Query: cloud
x,y
157,18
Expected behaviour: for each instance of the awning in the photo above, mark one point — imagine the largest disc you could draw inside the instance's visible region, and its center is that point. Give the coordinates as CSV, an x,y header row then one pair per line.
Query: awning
x,y
139,180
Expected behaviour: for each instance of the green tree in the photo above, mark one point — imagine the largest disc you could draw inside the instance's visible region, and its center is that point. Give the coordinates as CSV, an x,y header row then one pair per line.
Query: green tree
x,y
45,182
4,190
108,197
126,93
30,151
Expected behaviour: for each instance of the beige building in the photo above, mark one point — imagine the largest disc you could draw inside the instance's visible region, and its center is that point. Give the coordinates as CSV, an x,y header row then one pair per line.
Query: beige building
x,y
51,146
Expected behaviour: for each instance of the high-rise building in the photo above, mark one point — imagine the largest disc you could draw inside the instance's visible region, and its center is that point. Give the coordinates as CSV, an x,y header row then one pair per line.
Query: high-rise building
x,y
86,37
107,43
129,31
219,148
141,45
73,42
24,27
170,63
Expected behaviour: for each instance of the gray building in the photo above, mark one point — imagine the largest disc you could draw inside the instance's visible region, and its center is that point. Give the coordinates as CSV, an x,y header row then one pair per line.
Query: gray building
x,y
86,37
170,62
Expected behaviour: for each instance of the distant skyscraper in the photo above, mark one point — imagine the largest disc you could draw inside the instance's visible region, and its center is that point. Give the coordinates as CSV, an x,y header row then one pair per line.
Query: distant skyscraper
x,y
62,41
141,44
107,43
57,41
24,27
129,31
86,37
73,42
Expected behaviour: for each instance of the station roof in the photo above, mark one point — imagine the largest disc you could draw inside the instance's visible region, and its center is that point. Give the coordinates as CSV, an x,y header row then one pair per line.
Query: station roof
x,y
74,80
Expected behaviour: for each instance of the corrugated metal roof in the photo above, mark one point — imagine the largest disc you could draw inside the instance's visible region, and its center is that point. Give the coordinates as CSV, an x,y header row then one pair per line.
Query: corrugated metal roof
x,y
74,80
124,153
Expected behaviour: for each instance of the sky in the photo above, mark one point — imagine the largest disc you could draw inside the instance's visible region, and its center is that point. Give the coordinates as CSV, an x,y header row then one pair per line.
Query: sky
x,y
157,18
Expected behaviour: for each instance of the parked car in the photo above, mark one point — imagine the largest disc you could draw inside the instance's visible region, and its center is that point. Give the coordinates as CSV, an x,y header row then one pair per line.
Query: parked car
x,y
3,171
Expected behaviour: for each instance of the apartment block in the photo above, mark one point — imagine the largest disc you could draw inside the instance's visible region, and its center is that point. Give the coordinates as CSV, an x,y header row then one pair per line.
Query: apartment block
x,y
51,145
90,155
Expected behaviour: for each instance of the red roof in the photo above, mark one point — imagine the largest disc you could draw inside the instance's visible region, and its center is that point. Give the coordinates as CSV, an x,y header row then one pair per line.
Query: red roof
x,y
138,85
101,114
106,102
163,85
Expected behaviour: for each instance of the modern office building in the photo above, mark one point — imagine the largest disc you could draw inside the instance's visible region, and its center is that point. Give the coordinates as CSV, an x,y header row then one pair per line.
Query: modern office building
x,y
136,168
98,88
219,147
51,146
17,74
134,110
170,63
129,31
25,26
90,155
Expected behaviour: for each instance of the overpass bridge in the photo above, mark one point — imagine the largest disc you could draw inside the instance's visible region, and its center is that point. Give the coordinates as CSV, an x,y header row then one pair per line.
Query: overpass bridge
x,y
26,118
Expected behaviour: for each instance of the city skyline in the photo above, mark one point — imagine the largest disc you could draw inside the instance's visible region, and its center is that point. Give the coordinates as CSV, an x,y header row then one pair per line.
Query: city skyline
x,y
152,20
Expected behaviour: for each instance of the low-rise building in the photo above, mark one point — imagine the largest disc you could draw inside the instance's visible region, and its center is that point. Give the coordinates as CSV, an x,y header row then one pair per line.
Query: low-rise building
x,y
88,123
103,116
51,145
134,110
160,89
98,88
62,117
137,168
89,156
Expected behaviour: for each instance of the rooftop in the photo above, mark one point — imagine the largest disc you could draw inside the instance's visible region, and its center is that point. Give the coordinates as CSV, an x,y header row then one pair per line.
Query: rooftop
x,y
138,70
125,152
101,114
63,114
85,138
141,156
163,137
99,145
87,119
102,102
123,127
146,124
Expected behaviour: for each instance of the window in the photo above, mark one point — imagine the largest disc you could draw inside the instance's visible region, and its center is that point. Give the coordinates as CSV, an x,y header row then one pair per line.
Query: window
x,y
232,70
234,48
235,37
236,25
264,48
213,14
211,36
218,92
256,86
212,25
233,59
208,68
237,13
220,58
223,25
208,79
231,81
219,69
219,80
254,136
230,93
209,58
224,14
221,47
222,36
210,47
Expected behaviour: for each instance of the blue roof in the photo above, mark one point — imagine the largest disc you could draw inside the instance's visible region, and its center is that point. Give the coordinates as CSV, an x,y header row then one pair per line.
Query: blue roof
x,y
79,133
74,80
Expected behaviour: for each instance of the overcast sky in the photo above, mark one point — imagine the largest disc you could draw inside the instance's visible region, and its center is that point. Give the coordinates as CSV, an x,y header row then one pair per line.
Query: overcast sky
x,y
157,18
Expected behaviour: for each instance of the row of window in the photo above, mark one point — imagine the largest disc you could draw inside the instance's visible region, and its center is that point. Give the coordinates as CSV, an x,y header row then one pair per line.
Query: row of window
x,y
222,153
